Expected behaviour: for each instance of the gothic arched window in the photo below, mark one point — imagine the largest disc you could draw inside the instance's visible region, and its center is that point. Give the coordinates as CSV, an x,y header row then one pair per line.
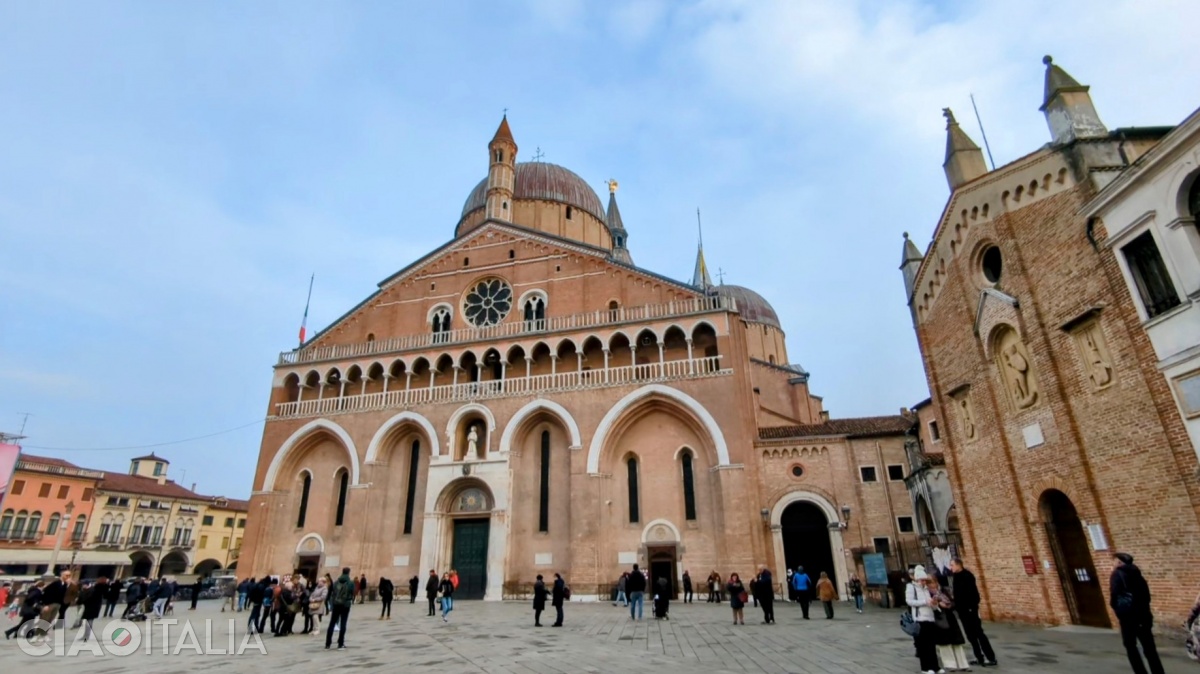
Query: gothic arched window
x,y
343,488
544,497
535,312
304,500
689,487
631,466
441,326
414,462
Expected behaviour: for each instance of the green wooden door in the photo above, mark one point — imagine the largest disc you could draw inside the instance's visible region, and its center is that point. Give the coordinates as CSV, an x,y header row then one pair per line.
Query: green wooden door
x,y
470,557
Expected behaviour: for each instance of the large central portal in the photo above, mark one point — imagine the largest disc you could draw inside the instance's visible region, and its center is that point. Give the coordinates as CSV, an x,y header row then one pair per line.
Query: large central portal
x,y
470,557
806,543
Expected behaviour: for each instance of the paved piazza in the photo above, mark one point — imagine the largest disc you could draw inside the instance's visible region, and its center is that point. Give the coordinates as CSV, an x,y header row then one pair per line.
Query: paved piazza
x,y
492,637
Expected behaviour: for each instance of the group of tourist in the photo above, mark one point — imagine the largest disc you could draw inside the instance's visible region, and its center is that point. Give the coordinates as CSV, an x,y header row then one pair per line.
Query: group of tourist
x,y
46,601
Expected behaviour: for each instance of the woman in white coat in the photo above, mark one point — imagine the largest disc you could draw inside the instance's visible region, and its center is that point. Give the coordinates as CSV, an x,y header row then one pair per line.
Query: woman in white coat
x,y
922,603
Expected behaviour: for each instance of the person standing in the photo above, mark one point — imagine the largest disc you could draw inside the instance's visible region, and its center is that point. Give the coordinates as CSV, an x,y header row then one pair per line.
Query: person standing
x,y
431,590
539,600
162,592
316,607
737,598
636,585
447,589
662,598
966,605
949,637
53,593
557,596
826,593
362,589
922,603
112,594
687,587
791,593
133,594
254,596
243,589
856,592
1129,597
342,599
621,585
802,584
196,587
712,587
92,604
766,595
386,590
413,584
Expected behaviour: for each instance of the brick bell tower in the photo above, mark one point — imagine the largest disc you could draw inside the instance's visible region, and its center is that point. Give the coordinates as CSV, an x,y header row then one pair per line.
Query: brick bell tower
x,y
502,152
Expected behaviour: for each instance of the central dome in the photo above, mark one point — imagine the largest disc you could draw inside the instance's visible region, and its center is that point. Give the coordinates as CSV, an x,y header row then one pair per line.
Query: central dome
x,y
547,182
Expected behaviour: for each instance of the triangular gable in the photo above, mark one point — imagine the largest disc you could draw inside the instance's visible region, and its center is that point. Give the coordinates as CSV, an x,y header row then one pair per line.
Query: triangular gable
x,y
492,227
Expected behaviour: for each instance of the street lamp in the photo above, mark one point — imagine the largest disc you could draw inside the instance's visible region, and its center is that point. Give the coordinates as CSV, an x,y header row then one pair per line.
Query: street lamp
x,y
62,526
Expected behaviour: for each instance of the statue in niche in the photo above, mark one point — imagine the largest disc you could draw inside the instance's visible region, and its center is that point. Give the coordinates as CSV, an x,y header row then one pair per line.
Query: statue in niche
x,y
472,443
1017,371
968,419
1099,366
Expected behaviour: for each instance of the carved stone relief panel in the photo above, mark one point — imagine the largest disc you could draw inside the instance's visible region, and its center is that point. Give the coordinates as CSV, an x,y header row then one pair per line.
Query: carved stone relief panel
x,y
1097,359
1016,369
966,414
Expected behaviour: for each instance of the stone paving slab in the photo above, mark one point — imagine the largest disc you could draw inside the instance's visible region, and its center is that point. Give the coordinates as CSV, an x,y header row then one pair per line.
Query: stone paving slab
x,y
500,638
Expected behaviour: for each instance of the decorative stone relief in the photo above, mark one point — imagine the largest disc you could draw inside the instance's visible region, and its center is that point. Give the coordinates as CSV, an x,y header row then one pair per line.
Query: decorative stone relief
x,y
471,500
1016,369
1097,361
660,533
966,415
310,545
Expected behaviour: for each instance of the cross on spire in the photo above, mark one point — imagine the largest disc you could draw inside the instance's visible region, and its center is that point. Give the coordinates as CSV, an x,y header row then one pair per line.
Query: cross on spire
x,y
538,154
720,276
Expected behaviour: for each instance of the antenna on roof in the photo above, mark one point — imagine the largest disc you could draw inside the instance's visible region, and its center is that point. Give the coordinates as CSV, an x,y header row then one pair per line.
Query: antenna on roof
x,y
983,133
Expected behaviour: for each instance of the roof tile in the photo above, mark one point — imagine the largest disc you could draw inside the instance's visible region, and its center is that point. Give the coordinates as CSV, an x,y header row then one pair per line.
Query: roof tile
x,y
860,427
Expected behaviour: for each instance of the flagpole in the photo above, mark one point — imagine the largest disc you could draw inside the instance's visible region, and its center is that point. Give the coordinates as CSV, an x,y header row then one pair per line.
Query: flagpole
x,y
304,321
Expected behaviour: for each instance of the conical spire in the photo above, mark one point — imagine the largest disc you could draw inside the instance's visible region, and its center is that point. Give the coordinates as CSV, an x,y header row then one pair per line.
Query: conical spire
x,y
910,264
911,252
1068,107
503,132
964,160
700,277
616,227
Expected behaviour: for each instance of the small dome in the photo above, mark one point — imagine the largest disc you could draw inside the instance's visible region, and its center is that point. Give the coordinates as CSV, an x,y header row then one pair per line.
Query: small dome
x,y
750,305
549,182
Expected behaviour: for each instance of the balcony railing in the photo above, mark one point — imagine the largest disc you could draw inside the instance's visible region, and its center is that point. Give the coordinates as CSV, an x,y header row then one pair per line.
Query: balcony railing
x,y
20,535
136,542
588,319
503,388
78,536
107,541
183,545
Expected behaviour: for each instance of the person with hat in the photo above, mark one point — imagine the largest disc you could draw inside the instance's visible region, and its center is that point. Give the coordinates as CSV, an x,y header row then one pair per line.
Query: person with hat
x,y
922,603
1129,596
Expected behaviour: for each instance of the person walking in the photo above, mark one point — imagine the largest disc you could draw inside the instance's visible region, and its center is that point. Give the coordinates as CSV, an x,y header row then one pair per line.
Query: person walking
x,y
557,596
766,595
53,593
539,600
791,593
30,609
802,585
431,590
662,598
386,590
413,584
254,596
93,603
447,589
737,598
112,594
342,598
856,592
966,605
362,589
636,585
243,589
162,592
197,586
687,587
712,587
621,585
826,593
133,594
1129,597
921,603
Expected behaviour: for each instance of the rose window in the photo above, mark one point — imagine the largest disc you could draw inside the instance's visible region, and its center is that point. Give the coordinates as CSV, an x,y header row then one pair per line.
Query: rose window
x,y
488,302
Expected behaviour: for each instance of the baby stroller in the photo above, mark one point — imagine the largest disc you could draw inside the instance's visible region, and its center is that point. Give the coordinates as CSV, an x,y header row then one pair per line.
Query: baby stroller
x,y
138,613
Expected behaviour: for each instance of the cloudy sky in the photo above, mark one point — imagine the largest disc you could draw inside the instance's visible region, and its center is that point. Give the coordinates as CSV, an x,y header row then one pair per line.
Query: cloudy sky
x,y
172,173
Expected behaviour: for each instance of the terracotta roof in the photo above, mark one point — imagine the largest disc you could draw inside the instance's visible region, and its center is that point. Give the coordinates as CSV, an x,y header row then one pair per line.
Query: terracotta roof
x,y
548,182
503,132
47,460
232,504
146,486
862,427
149,457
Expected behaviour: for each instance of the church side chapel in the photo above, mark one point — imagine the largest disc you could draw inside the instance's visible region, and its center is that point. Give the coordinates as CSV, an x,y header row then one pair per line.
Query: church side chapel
x,y
525,399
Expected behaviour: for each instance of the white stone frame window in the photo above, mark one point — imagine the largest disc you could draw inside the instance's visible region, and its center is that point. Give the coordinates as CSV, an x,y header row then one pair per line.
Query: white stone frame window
x,y
439,319
890,466
912,525
873,474
1119,245
935,433
1187,390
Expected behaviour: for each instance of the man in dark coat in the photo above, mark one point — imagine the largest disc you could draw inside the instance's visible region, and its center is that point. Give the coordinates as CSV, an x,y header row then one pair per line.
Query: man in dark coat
x,y
766,595
662,598
1129,596
341,599
557,597
197,586
386,590
413,584
636,586
362,589
112,594
92,599
966,604
431,589
687,587
539,600
133,594
254,597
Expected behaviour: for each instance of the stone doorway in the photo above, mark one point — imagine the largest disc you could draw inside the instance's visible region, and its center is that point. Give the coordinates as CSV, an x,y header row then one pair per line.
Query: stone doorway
x,y
469,557
308,566
805,529
1073,559
663,564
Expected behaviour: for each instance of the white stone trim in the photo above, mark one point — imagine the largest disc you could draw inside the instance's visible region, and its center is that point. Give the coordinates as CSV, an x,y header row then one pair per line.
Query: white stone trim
x,y
510,429
457,417
668,524
606,424
300,434
320,541
419,420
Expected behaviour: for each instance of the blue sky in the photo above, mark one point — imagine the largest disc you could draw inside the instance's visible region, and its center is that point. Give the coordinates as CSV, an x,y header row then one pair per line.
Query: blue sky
x,y
172,173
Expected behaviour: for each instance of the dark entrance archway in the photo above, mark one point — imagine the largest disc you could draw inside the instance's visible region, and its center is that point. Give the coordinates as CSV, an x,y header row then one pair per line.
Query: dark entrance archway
x,y
662,565
143,564
172,564
206,568
1073,559
805,530
308,566
469,558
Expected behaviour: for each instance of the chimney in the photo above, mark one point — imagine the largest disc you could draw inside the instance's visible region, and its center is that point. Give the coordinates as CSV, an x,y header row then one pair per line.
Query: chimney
x,y
824,416
193,486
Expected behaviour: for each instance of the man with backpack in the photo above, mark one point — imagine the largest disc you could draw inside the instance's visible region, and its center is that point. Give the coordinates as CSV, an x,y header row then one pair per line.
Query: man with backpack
x,y
341,599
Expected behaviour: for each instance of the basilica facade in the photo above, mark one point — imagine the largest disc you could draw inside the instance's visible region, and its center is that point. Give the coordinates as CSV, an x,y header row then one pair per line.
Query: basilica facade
x,y
525,399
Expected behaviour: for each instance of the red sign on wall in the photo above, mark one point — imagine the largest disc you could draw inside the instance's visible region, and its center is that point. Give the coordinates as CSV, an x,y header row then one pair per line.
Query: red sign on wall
x,y
1030,565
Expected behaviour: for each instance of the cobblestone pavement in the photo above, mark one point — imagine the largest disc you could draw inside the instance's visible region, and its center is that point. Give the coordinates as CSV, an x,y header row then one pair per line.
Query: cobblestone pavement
x,y
495,637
